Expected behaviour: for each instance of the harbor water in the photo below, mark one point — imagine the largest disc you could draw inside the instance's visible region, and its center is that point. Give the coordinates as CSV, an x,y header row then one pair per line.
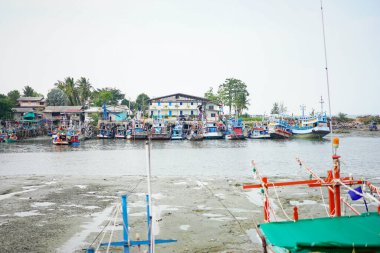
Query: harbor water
x,y
360,156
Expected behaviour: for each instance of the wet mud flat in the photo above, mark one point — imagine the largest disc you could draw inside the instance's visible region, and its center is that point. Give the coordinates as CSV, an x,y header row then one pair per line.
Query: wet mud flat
x,y
213,214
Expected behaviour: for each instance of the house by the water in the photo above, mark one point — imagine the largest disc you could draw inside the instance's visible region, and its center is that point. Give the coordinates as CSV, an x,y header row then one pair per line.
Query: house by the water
x,y
29,108
180,104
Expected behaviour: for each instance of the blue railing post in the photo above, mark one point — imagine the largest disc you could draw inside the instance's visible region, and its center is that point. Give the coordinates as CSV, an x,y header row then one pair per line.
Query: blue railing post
x,y
125,223
90,250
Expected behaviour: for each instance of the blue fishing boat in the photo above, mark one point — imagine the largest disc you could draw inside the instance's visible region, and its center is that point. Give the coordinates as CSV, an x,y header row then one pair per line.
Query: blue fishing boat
x,y
235,130
160,131
138,132
280,130
177,133
261,132
311,127
213,131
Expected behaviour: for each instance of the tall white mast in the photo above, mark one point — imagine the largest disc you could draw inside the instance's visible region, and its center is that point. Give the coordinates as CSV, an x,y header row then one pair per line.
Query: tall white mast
x,y
327,75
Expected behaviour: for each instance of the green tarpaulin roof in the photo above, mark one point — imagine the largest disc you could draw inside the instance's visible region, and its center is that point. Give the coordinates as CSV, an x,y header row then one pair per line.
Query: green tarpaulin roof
x,y
325,233
29,115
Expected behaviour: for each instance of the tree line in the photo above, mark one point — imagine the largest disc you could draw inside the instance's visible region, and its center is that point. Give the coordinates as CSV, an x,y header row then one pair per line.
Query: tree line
x,y
232,93
73,92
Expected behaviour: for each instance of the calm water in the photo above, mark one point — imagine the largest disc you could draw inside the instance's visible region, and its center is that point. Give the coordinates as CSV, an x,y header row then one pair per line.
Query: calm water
x,y
360,156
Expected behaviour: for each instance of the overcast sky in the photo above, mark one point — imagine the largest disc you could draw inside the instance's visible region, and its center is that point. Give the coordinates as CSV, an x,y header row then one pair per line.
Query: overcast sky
x,y
162,47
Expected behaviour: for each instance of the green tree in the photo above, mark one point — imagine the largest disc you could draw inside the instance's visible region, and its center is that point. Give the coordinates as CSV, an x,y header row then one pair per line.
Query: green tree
x,y
275,109
13,96
84,88
142,102
131,104
282,109
110,96
233,93
69,88
5,107
210,95
28,91
56,97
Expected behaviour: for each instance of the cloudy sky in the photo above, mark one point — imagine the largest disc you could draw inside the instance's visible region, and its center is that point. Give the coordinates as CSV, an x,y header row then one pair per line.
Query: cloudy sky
x,y
165,46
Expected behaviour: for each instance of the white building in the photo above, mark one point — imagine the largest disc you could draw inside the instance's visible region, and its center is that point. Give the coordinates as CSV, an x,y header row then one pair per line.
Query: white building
x,y
180,104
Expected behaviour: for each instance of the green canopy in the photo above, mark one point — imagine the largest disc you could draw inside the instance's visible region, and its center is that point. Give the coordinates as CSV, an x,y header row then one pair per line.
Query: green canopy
x,y
29,115
339,234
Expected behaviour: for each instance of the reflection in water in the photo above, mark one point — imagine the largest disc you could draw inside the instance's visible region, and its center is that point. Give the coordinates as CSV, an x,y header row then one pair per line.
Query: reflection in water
x,y
209,157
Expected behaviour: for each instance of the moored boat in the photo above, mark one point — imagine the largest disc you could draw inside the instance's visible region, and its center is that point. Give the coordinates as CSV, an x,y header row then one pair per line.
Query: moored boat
x,y
280,130
104,134
311,127
61,139
12,138
159,131
177,133
259,133
235,130
213,131
121,132
138,132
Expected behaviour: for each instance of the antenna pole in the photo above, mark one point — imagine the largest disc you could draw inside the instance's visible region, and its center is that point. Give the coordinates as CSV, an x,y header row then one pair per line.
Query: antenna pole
x,y
327,75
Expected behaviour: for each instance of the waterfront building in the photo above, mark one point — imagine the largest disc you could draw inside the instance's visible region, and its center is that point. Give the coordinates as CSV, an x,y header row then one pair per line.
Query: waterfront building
x,y
114,113
180,104
64,114
29,108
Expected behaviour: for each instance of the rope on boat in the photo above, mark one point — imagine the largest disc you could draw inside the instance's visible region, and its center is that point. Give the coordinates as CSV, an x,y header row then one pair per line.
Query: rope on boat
x,y
278,199
323,200
322,181
103,230
351,207
225,207
256,172
366,195
113,229
112,215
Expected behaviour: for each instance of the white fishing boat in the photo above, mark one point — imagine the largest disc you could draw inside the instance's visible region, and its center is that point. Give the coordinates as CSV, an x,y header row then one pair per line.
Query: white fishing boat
x,y
213,131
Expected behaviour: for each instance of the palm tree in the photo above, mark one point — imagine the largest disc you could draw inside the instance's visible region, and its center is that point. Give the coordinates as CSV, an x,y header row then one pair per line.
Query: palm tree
x,y
28,91
68,87
84,88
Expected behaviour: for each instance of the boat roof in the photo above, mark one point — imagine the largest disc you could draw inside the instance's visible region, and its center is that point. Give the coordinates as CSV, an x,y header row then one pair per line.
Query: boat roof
x,y
338,233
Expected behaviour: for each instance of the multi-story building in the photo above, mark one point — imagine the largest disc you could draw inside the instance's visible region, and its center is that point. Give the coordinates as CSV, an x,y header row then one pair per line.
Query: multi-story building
x,y
29,107
32,102
180,104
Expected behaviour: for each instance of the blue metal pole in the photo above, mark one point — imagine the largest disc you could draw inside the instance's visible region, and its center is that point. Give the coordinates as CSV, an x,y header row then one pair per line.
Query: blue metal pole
x,y
90,250
125,223
148,219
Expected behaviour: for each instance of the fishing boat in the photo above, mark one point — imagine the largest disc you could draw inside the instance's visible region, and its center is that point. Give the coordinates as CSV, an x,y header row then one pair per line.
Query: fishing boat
x,y
61,139
121,132
159,131
73,137
259,133
235,130
104,134
311,126
12,138
195,135
358,232
177,133
280,130
213,131
138,132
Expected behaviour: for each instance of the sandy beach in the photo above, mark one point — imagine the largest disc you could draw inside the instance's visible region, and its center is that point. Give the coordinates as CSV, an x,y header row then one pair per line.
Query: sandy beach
x,y
66,213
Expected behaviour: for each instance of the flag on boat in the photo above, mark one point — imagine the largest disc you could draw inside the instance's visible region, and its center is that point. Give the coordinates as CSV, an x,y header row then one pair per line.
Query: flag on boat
x,y
354,193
